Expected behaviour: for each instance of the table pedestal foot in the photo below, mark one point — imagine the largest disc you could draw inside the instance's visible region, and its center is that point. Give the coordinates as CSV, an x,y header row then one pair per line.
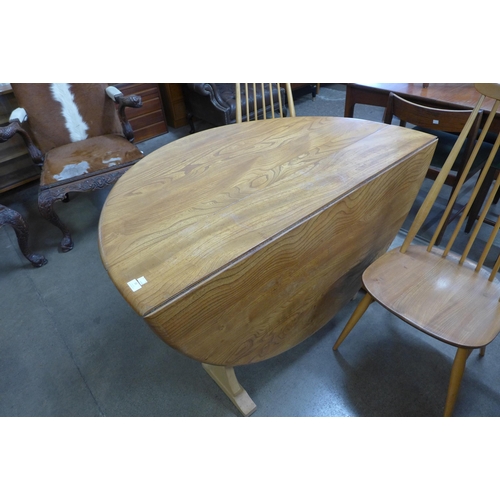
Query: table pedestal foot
x,y
226,379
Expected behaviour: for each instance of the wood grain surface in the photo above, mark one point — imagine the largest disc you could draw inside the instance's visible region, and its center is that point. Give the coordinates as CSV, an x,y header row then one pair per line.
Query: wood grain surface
x,y
251,236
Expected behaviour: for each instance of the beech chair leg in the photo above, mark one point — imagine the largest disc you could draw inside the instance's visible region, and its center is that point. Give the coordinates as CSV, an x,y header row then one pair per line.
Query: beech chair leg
x,y
356,316
225,378
457,372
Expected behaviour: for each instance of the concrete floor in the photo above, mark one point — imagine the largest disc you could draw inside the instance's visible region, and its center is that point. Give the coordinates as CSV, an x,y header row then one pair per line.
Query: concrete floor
x,y
71,346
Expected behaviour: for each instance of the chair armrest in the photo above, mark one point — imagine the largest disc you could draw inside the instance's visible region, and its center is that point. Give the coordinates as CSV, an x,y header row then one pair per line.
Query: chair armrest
x,y
129,101
211,90
14,127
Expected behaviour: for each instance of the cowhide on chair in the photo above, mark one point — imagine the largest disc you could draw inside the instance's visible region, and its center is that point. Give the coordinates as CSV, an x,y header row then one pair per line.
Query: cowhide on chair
x,y
78,134
16,221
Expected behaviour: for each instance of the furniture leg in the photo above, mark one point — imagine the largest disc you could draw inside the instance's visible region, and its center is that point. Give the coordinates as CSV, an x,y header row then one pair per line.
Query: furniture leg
x,y
482,351
457,372
356,316
17,222
46,201
349,103
225,378
190,119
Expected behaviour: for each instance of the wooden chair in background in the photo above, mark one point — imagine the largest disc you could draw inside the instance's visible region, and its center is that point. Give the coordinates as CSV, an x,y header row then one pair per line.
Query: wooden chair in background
x,y
257,97
446,125
441,293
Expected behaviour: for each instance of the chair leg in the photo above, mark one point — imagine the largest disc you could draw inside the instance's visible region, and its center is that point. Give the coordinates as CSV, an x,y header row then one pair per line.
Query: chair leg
x,y
457,372
190,119
17,222
356,316
46,200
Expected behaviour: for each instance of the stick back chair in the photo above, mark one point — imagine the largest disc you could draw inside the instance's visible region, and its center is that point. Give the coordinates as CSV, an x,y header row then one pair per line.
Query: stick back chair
x,y
446,124
263,100
77,134
440,292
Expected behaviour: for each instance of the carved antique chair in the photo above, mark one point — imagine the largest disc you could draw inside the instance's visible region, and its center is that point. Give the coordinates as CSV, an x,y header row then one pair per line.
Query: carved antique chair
x,y
78,134
445,294
15,220
215,103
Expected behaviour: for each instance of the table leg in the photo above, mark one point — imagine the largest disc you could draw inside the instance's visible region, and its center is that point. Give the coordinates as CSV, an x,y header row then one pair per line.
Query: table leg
x,y
225,378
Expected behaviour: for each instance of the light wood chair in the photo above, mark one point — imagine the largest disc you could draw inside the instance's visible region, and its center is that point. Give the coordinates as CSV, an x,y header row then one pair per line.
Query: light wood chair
x,y
442,293
253,98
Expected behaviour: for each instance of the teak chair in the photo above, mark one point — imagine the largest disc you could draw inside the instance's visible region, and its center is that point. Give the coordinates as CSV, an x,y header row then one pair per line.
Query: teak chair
x,y
14,219
446,125
441,293
253,106
78,134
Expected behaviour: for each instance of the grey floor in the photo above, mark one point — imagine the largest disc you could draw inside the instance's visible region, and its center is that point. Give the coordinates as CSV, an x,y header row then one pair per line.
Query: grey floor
x,y
71,346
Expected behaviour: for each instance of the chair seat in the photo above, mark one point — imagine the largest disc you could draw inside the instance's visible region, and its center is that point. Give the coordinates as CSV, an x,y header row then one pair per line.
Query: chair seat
x,y
85,157
412,286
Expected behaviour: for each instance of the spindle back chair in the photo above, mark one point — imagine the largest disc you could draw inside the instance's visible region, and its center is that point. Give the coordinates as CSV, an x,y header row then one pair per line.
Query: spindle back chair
x,y
263,101
440,291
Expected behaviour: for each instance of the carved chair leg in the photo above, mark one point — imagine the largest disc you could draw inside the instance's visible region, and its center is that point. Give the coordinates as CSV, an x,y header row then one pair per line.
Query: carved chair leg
x,y
46,202
356,316
226,379
457,372
17,222
190,119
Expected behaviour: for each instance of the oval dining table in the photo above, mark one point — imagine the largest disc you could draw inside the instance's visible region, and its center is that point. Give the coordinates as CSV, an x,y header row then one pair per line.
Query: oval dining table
x,y
237,243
